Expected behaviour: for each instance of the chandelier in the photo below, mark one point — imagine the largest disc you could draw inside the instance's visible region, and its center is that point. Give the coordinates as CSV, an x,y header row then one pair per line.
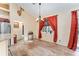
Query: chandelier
x,y
39,13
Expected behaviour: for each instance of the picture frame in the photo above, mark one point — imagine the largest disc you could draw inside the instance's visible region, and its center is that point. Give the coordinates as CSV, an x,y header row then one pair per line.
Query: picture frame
x,y
16,24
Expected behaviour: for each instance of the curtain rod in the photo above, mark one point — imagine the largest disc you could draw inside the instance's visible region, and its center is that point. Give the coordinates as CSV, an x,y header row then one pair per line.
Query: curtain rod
x,y
76,10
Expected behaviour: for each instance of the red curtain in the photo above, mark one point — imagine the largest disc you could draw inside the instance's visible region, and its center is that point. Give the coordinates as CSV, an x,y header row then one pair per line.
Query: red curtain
x,y
74,31
41,24
53,23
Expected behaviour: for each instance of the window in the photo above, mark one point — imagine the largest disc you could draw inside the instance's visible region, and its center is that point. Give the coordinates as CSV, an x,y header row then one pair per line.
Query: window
x,y
7,28
47,29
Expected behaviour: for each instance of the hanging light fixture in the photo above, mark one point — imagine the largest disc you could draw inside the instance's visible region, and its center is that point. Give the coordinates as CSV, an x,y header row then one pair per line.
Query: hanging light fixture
x,y
39,11
46,22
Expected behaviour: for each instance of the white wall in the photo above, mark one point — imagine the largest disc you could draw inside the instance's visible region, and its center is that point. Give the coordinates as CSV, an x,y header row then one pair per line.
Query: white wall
x,y
64,25
25,18
4,44
4,48
78,29
4,14
15,18
64,22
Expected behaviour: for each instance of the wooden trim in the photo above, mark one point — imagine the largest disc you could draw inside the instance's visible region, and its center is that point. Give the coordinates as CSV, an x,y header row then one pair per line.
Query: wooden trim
x,y
6,6
4,20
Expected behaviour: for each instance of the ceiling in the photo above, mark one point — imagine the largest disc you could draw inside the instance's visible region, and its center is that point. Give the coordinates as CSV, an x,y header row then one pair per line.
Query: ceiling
x,y
46,8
